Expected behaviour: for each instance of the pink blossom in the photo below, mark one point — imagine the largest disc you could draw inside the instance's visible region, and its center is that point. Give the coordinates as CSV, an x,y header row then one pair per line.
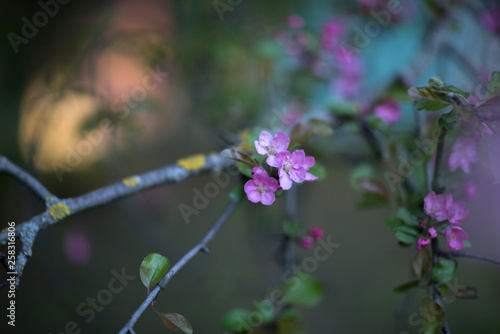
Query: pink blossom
x,y
306,242
470,191
331,33
435,206
456,211
293,167
271,146
423,242
432,232
316,232
463,153
389,111
295,21
491,20
455,237
261,188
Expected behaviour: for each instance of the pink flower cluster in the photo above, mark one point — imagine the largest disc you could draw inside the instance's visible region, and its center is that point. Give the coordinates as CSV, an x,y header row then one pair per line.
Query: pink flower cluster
x,y
292,167
442,208
315,233
389,111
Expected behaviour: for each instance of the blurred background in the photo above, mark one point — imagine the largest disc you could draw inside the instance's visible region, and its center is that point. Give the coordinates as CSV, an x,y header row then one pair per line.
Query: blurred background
x,y
93,92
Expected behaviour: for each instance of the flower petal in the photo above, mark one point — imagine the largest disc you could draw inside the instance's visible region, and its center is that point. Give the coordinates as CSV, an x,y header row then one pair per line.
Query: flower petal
x,y
298,175
310,177
298,158
268,198
265,138
262,150
280,142
285,181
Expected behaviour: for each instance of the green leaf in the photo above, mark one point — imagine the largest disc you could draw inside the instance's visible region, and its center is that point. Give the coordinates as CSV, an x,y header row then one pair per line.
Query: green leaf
x,y
318,170
449,120
406,286
430,105
422,262
238,193
236,320
291,228
372,200
407,217
362,171
407,235
393,222
302,131
237,155
444,270
290,326
176,322
245,169
153,267
303,291
433,316
343,109
494,84
466,292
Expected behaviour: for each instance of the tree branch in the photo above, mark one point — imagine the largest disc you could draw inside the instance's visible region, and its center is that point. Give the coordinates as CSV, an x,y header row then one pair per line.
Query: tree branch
x,y
469,255
29,181
202,246
59,209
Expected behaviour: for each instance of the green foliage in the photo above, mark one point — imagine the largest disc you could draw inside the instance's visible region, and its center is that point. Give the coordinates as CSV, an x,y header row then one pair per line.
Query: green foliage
x,y
444,270
494,85
406,286
291,228
239,156
176,322
422,262
235,320
303,131
318,170
449,120
238,193
433,316
303,291
435,95
153,267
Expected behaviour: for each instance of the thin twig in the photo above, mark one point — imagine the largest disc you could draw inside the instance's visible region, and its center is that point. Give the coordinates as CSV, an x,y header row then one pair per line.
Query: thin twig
x,y
436,180
291,214
59,209
469,255
29,181
202,246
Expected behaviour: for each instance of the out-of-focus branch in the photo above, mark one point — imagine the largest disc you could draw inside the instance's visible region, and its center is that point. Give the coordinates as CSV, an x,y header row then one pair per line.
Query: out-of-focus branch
x,y
202,246
469,255
29,181
59,209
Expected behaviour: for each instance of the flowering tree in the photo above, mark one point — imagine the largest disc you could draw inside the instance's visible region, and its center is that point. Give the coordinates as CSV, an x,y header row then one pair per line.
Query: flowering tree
x,y
416,168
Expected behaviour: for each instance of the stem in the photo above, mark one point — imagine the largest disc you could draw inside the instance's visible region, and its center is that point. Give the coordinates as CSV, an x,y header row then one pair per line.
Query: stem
x,y
291,213
469,255
436,180
29,181
202,246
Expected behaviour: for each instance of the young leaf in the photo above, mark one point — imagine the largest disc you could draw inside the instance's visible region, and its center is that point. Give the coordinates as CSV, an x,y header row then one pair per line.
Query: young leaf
x,y
494,84
444,270
153,267
302,131
406,235
318,170
238,193
176,322
422,262
306,292
466,292
291,228
407,217
237,155
406,286
236,320
433,316
450,120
